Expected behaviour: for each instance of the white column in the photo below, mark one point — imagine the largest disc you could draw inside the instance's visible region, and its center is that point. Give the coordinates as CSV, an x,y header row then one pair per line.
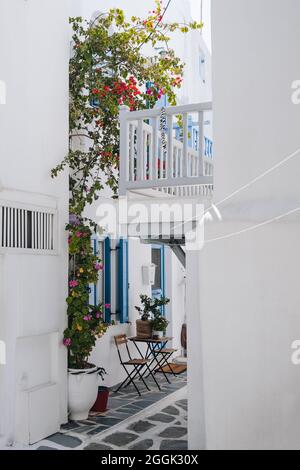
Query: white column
x,y
196,416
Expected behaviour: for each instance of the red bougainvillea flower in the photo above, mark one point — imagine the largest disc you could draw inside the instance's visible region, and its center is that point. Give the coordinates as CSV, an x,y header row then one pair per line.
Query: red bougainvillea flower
x,y
95,91
73,284
67,342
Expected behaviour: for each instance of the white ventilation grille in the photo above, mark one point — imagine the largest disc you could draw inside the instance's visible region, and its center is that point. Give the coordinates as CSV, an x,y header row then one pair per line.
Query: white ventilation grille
x,y
27,229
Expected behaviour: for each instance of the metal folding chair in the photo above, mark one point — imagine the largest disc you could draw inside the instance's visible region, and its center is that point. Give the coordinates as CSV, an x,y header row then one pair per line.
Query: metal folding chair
x,y
161,358
138,365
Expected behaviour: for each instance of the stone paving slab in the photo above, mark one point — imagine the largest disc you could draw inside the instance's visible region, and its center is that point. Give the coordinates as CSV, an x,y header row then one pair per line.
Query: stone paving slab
x,y
162,417
140,426
120,438
146,444
65,440
174,432
171,410
45,448
97,430
173,444
98,447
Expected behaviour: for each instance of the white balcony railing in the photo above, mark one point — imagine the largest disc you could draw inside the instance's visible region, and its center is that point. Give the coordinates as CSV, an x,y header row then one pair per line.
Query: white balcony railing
x,y
151,157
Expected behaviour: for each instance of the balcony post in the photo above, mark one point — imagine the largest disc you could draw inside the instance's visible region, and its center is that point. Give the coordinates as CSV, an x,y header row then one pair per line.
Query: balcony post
x,y
201,171
124,150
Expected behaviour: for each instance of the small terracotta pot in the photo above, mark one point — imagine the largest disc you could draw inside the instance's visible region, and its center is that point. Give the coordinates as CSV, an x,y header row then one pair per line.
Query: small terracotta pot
x,y
100,404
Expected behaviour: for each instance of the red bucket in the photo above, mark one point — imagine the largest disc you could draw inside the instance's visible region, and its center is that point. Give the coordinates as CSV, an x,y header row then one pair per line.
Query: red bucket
x,y
100,404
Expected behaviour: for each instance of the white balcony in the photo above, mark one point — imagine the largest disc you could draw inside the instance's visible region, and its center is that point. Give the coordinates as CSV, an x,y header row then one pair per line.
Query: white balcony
x,y
154,156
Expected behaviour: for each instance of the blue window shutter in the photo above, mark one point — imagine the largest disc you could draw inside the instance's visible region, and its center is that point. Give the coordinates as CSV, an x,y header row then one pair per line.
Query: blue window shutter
x,y
107,283
93,287
123,280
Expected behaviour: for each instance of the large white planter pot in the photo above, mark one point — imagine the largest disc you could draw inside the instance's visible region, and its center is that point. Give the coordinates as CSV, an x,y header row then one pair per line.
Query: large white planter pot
x,y
83,391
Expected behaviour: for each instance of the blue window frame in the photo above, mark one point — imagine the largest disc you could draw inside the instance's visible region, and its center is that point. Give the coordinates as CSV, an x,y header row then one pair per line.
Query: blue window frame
x,y
107,282
93,287
121,281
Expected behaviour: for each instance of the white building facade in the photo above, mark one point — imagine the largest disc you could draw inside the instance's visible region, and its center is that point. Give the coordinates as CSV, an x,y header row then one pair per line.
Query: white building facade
x,y
34,211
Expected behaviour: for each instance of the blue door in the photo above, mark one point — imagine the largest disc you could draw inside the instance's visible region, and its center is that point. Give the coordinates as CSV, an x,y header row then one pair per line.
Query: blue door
x,y
158,258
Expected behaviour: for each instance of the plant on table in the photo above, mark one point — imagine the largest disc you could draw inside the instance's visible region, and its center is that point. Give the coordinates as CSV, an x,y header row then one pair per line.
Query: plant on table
x,y
151,316
151,308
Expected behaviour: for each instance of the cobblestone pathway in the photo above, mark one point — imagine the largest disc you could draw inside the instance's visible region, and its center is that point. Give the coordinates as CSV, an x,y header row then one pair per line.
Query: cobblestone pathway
x,y
162,429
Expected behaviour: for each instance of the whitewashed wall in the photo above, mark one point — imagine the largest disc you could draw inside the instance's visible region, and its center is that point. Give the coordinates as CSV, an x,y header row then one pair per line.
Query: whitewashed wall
x,y
34,138
249,282
176,292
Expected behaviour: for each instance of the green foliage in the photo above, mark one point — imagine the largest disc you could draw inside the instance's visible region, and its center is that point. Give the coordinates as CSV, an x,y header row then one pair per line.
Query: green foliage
x,y
108,69
159,323
151,307
86,322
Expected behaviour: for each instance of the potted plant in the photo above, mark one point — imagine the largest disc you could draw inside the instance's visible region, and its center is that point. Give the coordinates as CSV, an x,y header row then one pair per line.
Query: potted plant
x,y
159,326
85,322
150,309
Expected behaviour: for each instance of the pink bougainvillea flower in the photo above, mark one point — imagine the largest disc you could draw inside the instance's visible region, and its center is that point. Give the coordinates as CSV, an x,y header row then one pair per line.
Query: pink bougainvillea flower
x,y
98,266
107,305
98,314
67,342
78,234
87,317
73,283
